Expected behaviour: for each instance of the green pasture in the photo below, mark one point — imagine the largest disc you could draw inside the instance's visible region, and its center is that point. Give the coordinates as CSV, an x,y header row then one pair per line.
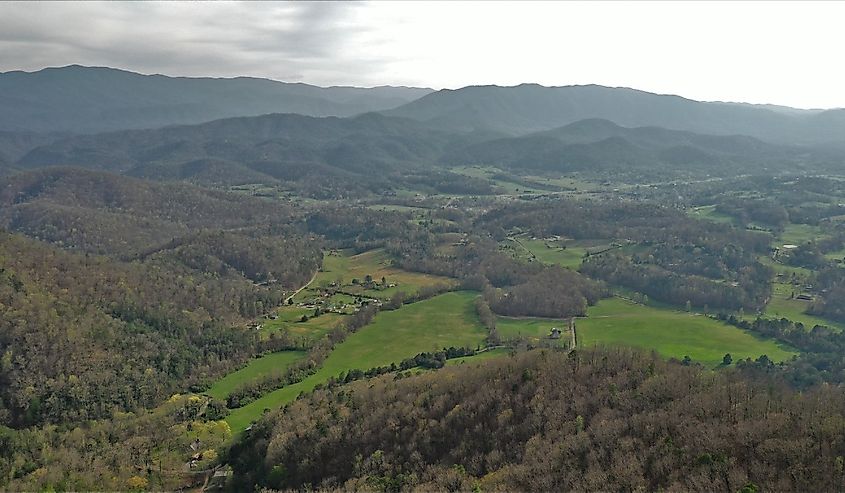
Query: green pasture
x,y
258,367
442,321
615,321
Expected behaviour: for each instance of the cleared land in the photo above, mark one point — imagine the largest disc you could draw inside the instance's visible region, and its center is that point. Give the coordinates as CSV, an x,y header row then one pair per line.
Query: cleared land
x,y
344,268
442,321
782,306
550,253
493,353
290,320
533,329
799,234
258,367
709,213
671,333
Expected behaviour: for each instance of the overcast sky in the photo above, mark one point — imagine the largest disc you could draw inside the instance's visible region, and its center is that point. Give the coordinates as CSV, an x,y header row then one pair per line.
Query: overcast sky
x,y
761,52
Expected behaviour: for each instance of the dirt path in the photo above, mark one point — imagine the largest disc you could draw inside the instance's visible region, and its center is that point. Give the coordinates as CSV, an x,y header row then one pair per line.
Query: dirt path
x,y
287,300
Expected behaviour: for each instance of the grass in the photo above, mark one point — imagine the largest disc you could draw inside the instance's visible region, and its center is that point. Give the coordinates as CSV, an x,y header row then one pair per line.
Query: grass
x,y
545,252
782,306
442,321
289,320
376,263
799,234
533,329
258,367
493,353
784,269
708,212
672,333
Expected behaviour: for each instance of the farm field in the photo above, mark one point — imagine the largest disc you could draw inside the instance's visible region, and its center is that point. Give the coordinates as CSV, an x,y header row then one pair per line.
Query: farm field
x,y
709,213
786,270
345,267
290,320
569,257
799,234
442,321
258,367
781,306
493,353
671,333
534,329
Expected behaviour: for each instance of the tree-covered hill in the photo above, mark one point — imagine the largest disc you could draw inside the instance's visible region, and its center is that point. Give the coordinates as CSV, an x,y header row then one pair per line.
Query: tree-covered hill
x,y
596,420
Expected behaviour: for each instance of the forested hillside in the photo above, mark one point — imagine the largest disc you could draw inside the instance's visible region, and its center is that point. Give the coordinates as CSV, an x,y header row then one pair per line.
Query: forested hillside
x,y
84,336
552,421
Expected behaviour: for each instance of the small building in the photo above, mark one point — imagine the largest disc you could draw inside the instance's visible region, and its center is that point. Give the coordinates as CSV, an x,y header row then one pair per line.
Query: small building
x,y
555,333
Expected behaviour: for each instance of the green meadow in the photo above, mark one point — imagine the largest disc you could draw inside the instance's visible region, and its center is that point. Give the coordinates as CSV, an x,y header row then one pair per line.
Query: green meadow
x,y
344,267
616,321
783,306
258,367
533,329
442,321
549,253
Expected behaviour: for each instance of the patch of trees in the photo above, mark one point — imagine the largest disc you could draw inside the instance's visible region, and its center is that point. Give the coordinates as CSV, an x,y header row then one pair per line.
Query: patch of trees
x,y
830,303
750,291
426,360
448,182
822,357
554,292
608,419
646,223
747,211
808,256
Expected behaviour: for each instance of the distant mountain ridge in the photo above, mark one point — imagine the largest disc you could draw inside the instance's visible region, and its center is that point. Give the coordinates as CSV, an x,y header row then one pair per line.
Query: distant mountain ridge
x,y
81,99
529,108
596,144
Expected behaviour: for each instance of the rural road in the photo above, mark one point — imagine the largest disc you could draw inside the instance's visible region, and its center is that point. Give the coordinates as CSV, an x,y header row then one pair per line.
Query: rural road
x,y
287,300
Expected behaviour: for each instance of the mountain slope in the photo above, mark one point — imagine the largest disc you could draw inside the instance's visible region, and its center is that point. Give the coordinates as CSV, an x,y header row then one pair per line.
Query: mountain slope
x,y
95,99
530,108
597,144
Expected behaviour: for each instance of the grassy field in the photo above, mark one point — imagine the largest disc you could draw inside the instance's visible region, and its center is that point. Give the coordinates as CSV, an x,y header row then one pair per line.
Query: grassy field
x,y
547,253
782,306
442,321
344,267
799,234
709,213
289,320
256,368
786,270
533,329
493,353
671,333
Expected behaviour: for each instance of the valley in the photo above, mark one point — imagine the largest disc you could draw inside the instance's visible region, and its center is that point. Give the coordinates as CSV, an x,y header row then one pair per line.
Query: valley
x,y
252,279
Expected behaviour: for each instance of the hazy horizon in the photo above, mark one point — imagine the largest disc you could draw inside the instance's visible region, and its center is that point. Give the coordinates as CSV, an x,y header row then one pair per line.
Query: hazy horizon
x,y
779,53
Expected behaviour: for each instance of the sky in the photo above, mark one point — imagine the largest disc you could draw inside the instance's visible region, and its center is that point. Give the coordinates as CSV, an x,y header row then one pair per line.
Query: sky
x,y
759,52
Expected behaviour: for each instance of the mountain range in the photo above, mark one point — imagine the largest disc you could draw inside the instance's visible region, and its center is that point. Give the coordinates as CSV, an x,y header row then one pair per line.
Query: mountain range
x,y
278,132
97,99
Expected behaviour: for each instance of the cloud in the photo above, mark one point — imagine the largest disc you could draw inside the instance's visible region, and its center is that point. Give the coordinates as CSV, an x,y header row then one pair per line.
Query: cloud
x,y
759,51
290,41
